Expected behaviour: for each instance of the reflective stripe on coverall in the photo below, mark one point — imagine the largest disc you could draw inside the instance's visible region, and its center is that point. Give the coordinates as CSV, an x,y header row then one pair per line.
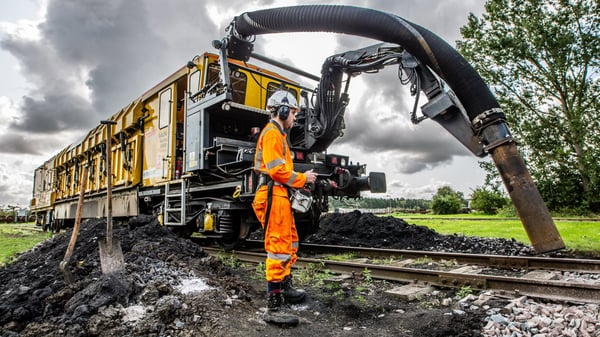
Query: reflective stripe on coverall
x,y
281,238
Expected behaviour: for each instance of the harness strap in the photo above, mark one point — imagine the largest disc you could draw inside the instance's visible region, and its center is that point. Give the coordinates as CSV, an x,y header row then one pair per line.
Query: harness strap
x,y
269,203
264,179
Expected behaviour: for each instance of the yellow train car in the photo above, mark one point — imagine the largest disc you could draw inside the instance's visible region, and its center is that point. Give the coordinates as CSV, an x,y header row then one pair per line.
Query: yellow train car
x,y
184,151
44,193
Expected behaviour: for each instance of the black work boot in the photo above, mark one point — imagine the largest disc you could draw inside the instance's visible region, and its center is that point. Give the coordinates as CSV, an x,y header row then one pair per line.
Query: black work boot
x,y
291,294
275,314
274,301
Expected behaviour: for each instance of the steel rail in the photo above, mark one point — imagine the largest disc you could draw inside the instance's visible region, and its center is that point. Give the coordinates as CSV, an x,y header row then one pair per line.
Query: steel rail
x,y
549,289
499,261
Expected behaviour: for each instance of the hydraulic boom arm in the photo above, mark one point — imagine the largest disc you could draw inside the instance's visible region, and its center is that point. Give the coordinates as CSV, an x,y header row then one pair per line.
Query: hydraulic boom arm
x,y
457,97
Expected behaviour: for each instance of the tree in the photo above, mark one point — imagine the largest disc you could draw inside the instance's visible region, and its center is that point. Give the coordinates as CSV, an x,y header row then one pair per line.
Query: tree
x,y
487,201
447,201
541,59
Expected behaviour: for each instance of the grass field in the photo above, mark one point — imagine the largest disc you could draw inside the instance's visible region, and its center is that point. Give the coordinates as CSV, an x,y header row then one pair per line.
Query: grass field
x,y
18,238
578,234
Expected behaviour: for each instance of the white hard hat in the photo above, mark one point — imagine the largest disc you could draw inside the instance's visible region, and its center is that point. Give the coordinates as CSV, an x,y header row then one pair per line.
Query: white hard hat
x,y
282,97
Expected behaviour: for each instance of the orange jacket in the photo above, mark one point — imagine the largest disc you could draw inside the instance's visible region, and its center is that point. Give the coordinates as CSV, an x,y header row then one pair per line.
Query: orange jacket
x,y
273,158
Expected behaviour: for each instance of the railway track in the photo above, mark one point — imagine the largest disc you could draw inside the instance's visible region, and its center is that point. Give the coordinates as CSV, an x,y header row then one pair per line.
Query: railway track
x,y
514,275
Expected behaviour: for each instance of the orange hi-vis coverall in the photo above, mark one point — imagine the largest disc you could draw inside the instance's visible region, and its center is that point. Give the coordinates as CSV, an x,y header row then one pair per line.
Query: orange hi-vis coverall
x,y
273,158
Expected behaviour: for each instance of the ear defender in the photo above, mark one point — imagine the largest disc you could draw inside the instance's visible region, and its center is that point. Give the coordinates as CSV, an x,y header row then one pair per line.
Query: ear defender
x,y
283,111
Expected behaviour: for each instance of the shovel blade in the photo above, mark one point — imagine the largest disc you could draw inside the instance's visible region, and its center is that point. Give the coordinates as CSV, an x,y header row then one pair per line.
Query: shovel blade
x,y
69,279
111,257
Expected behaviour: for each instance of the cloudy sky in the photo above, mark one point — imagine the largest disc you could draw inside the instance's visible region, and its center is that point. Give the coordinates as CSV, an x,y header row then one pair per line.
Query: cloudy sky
x,y
67,64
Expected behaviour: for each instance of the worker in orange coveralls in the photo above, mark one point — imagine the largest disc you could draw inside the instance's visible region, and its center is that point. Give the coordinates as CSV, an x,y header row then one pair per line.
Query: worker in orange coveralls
x,y
273,162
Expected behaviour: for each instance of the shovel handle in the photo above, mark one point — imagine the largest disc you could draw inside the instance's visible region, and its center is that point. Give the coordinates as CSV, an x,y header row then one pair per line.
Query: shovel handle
x,y
109,125
65,261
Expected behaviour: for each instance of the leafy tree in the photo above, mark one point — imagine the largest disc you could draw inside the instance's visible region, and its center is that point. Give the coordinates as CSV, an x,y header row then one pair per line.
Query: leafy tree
x,y
447,201
541,58
487,201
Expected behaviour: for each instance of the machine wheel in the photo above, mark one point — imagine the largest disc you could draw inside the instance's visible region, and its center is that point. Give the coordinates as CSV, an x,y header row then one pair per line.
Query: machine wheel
x,y
55,226
187,230
229,242
237,228
184,231
307,223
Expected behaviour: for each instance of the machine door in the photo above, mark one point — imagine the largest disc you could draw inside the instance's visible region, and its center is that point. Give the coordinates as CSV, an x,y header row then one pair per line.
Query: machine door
x,y
159,142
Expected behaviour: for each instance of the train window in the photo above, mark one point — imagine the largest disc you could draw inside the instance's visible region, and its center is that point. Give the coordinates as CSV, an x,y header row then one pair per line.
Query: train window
x,y
194,84
212,75
238,81
272,87
238,84
164,112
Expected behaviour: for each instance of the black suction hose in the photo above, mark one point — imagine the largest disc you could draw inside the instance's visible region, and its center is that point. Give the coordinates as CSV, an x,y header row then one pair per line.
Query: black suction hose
x,y
430,49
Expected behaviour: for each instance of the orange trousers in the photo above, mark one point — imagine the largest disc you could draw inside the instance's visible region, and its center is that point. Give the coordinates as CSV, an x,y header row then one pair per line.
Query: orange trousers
x,y
281,237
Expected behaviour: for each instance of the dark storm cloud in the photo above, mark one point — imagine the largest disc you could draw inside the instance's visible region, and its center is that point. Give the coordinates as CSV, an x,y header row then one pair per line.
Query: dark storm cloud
x,y
416,162
18,143
116,50
55,111
443,18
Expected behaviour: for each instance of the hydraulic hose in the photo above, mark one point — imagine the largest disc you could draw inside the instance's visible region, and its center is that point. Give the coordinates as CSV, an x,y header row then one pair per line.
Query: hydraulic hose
x,y
480,104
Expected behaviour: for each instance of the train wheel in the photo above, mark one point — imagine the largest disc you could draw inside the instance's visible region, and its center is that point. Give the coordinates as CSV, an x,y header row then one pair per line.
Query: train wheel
x,y
229,242
236,231
187,230
55,226
307,223
184,231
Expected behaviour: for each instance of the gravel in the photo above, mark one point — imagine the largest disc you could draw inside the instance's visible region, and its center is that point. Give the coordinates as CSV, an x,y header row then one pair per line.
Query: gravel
x,y
529,317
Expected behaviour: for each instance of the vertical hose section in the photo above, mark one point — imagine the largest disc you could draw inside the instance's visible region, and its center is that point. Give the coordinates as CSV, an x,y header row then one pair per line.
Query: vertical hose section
x,y
447,63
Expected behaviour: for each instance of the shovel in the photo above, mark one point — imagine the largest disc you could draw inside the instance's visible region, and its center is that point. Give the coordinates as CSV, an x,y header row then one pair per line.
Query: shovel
x,y
111,256
63,264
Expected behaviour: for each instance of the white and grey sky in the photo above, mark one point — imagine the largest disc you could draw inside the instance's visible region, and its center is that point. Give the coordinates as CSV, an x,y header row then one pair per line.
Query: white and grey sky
x,y
67,64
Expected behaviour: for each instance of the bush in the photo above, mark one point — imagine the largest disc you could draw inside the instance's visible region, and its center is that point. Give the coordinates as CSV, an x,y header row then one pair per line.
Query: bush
x,y
447,201
486,201
508,211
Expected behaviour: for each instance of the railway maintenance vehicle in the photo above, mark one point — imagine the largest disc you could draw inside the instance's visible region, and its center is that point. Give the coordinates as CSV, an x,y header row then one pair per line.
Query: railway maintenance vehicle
x,y
184,149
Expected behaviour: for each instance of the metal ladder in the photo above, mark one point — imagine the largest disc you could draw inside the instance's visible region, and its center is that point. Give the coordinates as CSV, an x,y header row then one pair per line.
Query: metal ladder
x,y
172,195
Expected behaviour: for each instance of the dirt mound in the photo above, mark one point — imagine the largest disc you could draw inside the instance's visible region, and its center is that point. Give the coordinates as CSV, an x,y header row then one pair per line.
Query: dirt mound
x,y
367,230
145,299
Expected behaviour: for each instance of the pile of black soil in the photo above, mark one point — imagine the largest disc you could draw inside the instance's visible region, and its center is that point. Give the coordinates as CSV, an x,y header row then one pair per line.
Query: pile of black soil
x,y
367,230
142,300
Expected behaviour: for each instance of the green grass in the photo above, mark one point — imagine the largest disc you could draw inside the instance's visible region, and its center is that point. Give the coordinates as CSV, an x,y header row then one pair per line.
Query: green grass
x,y
342,257
582,236
17,238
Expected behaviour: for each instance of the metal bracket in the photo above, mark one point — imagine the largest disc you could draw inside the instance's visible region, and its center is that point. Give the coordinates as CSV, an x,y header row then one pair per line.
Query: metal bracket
x,y
502,262
459,281
221,45
445,109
